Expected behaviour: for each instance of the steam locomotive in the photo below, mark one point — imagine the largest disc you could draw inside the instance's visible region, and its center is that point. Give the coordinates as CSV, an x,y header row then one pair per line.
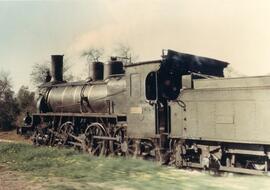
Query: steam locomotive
x,y
178,110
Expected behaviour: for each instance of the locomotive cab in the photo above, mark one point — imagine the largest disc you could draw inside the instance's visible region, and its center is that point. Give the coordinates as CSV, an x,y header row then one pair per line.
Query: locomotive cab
x,y
141,99
152,85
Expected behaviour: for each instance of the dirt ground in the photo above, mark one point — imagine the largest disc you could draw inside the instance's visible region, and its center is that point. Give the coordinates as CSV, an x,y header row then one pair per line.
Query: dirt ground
x,y
11,180
13,136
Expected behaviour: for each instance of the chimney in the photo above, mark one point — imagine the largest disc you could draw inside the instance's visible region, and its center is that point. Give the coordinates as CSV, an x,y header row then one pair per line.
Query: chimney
x,y
57,68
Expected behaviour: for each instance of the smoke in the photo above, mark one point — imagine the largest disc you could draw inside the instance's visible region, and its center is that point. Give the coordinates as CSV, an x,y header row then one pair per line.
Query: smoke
x,y
233,31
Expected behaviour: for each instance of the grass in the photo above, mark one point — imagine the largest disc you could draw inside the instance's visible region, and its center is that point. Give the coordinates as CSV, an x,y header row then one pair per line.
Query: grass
x,y
79,171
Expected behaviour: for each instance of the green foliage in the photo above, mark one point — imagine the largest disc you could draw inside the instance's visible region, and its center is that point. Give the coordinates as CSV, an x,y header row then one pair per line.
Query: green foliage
x,y
4,84
26,102
80,171
26,99
26,157
39,72
9,108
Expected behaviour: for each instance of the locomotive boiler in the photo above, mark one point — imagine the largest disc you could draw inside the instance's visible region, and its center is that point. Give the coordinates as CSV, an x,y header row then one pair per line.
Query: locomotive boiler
x,y
92,96
178,110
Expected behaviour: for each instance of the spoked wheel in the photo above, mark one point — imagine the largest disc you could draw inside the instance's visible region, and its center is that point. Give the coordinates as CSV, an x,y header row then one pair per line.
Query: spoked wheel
x,y
123,146
95,146
64,132
40,137
131,149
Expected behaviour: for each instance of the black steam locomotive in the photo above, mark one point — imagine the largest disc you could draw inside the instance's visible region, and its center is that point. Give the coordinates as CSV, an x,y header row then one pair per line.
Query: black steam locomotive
x,y
178,110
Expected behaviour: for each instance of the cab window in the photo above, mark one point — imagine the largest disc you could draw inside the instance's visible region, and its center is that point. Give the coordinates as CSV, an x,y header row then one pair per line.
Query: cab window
x,y
151,86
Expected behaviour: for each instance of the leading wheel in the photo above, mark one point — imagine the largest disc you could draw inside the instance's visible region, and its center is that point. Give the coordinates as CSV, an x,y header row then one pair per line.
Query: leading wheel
x,y
40,136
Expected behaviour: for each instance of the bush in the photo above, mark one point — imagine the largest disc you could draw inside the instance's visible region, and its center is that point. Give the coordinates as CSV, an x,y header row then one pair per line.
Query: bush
x,y
9,108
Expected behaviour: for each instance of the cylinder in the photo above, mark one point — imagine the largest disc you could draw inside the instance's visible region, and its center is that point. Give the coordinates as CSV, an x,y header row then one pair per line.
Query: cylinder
x,y
96,71
57,68
113,67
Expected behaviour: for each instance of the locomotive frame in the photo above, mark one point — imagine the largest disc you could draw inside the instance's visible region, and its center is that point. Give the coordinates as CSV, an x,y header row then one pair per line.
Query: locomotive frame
x,y
150,110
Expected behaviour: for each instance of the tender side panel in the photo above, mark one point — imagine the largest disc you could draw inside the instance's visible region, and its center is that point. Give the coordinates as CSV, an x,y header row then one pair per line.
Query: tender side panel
x,y
235,115
224,119
177,119
241,82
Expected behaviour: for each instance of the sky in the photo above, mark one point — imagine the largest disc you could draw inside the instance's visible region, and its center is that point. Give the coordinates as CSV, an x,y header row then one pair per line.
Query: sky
x,y
236,31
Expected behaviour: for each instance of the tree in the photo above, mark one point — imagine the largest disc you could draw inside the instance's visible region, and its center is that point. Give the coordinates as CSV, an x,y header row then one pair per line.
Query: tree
x,y
9,108
40,70
4,83
26,99
39,73
122,51
125,51
26,102
93,54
